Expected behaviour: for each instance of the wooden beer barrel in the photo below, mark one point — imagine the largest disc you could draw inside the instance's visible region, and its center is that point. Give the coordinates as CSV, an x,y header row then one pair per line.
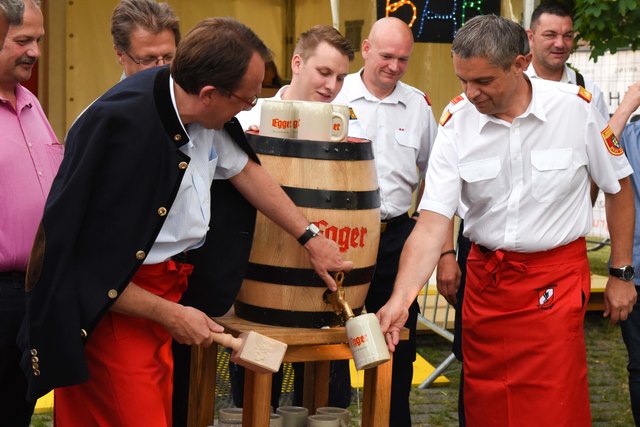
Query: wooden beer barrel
x,y
336,187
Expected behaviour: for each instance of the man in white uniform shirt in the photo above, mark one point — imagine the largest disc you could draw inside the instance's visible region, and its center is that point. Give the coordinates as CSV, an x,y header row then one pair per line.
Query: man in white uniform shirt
x,y
319,65
519,153
551,40
397,118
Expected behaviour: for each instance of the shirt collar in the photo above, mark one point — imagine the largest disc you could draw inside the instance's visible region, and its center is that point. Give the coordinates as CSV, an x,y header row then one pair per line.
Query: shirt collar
x,y
22,98
280,92
535,108
567,76
359,90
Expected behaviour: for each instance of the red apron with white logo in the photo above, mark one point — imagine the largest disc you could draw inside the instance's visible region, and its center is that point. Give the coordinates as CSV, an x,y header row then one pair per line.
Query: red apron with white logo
x,y
523,337
130,364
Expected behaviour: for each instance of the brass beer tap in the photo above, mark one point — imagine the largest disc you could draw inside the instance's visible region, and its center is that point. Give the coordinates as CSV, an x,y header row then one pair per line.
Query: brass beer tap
x,y
338,298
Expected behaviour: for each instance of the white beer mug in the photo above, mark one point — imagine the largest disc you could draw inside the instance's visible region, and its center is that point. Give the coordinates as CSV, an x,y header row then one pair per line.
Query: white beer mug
x,y
323,420
315,122
230,415
366,341
277,118
341,413
337,125
293,416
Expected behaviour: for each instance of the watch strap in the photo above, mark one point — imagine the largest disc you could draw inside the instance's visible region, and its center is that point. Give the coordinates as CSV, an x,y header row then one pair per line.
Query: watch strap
x,y
306,236
311,231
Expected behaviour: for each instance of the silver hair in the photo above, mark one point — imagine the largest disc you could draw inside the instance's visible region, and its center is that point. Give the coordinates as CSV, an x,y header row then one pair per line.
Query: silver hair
x,y
495,38
13,10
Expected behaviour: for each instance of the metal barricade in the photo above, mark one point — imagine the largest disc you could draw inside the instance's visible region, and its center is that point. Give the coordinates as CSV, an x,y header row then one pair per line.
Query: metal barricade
x,y
434,314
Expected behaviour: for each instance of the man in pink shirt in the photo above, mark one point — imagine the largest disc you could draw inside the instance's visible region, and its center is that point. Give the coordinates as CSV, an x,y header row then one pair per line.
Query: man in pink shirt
x,y
29,158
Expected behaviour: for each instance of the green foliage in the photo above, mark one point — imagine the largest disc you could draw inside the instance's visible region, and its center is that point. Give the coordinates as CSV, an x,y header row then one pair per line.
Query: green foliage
x,y
608,24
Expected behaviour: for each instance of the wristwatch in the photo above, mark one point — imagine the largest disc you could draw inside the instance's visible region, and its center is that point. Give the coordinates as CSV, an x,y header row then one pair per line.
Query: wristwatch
x,y
626,272
311,231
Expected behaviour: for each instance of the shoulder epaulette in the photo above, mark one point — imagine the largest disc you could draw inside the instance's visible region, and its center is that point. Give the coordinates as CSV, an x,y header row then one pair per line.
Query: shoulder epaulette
x,y
576,90
454,105
584,94
421,93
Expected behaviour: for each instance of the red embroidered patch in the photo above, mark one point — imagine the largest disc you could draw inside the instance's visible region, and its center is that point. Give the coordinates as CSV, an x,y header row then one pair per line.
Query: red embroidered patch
x,y
611,142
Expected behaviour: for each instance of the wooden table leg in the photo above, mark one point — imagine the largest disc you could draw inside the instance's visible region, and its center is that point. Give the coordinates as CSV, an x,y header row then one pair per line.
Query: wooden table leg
x,y
316,385
256,399
202,386
377,395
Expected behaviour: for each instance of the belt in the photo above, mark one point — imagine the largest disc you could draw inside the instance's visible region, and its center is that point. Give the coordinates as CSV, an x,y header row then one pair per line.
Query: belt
x,y
386,223
181,257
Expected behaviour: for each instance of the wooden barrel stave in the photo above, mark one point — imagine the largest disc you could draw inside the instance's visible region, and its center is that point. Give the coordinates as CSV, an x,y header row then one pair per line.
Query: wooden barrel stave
x,y
336,188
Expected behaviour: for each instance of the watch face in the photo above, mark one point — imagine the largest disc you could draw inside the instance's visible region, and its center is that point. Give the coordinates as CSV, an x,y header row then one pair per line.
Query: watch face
x,y
625,273
314,228
628,273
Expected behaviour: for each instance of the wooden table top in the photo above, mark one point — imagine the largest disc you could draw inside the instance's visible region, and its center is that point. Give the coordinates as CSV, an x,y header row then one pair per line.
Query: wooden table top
x,y
290,336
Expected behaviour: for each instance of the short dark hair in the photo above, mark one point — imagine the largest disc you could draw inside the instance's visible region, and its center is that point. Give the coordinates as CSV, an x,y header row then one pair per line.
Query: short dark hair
x,y
13,10
552,9
216,52
495,38
147,14
310,39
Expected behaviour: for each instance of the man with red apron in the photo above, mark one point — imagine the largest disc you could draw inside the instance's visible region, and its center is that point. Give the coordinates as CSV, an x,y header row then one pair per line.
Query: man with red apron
x,y
131,198
515,157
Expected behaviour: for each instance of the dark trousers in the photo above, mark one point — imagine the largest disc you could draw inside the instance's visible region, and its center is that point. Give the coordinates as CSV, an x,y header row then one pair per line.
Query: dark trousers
x,y
631,336
391,243
464,246
15,409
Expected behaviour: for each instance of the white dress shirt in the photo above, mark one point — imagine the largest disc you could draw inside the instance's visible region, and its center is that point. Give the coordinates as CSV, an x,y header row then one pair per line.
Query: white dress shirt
x,y
525,183
214,155
402,130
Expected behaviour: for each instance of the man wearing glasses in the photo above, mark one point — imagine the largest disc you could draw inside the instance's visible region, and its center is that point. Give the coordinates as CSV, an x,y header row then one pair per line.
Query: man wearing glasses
x,y
132,197
145,34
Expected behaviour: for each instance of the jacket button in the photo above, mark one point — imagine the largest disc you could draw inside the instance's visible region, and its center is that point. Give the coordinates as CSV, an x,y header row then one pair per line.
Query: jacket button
x,y
177,137
140,255
36,372
35,359
35,366
33,352
112,294
162,211
183,165
83,333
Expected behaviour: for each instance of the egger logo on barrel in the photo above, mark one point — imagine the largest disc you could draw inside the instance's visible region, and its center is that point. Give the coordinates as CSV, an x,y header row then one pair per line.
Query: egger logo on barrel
x,y
345,237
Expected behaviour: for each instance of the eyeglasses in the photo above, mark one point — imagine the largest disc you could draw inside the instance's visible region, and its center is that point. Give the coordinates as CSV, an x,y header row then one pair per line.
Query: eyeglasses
x,y
151,60
249,104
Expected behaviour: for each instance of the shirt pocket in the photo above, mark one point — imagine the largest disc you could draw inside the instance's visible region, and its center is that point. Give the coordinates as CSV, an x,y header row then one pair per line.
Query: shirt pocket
x,y
551,174
55,152
482,183
407,139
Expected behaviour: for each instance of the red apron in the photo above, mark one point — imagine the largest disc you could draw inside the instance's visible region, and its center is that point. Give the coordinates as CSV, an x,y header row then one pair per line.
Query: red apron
x,y
523,338
130,364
